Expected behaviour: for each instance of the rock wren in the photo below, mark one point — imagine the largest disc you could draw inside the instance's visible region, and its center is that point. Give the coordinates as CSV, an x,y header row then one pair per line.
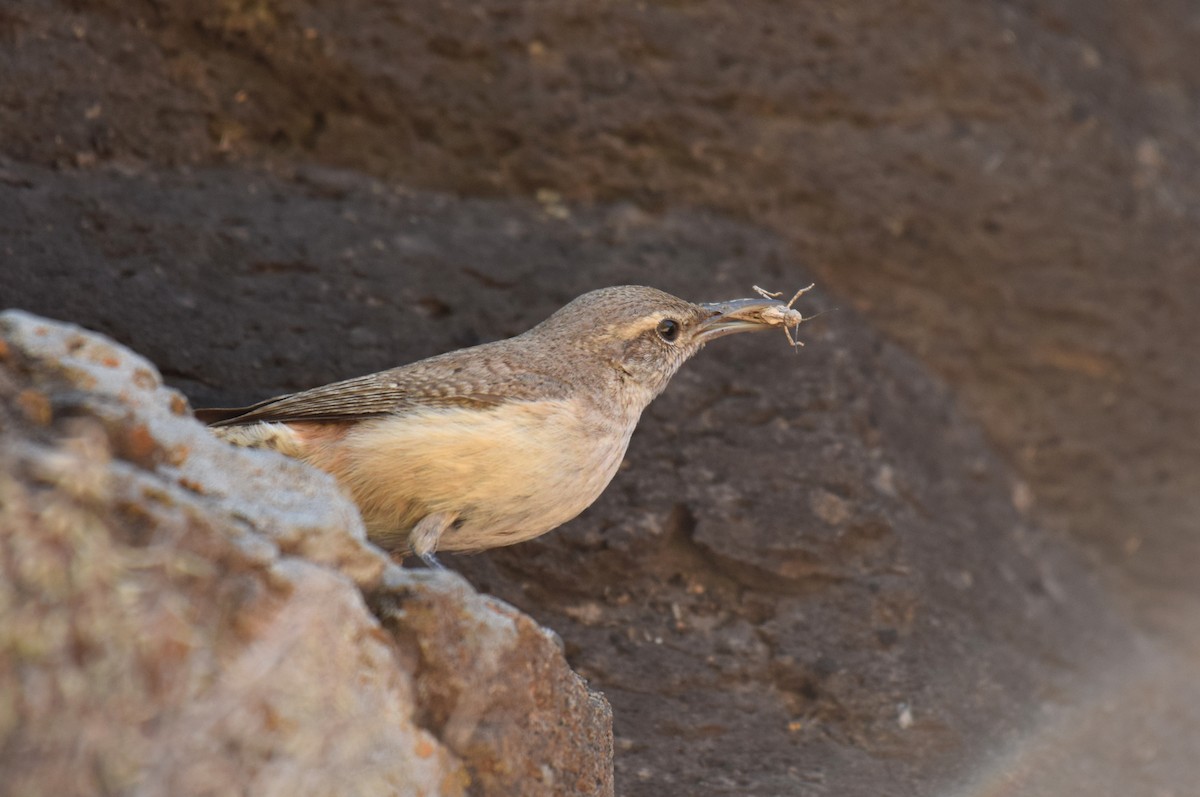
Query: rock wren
x,y
498,443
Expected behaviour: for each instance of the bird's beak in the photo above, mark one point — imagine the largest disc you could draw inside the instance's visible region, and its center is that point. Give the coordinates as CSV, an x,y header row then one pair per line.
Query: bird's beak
x,y
736,315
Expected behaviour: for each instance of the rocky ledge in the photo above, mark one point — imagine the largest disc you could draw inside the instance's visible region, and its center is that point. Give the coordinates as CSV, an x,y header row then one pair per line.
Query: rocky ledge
x,y
181,617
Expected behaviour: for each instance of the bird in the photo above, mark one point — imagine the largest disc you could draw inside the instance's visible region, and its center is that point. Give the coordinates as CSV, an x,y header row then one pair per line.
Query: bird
x,y
502,442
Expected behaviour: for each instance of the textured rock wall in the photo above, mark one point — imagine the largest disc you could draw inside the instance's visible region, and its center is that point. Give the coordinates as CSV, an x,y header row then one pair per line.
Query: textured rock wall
x,y
1008,188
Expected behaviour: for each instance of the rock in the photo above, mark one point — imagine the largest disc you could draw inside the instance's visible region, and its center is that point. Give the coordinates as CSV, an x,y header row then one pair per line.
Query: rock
x,y
181,617
814,585
810,567
481,666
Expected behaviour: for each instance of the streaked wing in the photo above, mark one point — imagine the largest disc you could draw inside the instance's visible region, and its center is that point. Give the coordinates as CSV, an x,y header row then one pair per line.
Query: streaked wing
x,y
431,384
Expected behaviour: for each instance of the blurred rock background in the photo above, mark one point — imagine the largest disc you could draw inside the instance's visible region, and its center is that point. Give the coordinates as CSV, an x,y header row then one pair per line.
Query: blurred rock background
x,y
950,547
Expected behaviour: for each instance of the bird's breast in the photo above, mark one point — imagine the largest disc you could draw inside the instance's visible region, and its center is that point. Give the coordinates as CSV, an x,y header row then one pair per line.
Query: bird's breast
x,y
509,473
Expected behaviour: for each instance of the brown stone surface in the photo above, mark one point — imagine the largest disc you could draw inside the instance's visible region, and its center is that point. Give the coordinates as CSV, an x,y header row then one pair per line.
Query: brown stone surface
x,y
180,617
1007,188
812,574
857,590
489,681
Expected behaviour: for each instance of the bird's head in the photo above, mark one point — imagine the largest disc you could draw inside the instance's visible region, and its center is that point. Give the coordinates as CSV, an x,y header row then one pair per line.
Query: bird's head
x,y
643,335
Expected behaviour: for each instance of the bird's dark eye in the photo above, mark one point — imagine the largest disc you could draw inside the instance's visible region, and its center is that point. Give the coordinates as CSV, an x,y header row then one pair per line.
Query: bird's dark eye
x,y
668,329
